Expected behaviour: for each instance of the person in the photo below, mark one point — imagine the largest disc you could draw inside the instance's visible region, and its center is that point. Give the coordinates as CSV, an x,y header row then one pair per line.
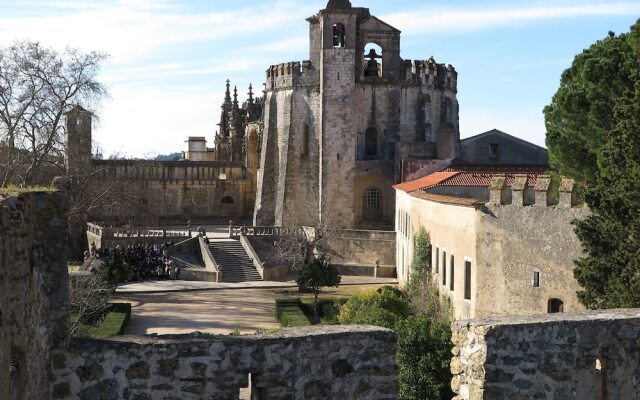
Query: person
x,y
176,272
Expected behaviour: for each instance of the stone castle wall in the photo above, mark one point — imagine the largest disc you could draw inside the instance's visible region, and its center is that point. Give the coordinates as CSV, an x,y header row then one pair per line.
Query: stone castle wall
x,y
33,291
151,192
582,356
305,363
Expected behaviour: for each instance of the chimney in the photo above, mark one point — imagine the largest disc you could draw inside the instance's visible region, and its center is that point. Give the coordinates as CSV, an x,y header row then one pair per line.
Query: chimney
x,y
520,190
498,190
567,193
543,186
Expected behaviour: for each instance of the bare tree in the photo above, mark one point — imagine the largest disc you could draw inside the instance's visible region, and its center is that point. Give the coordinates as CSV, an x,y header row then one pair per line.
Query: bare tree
x,y
38,85
89,296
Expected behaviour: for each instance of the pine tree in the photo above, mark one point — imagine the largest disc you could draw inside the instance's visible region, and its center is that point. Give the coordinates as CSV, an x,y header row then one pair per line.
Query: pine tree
x,y
610,270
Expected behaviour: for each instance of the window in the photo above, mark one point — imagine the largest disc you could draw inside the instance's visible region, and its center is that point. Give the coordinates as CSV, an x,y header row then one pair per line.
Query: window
x,y
452,266
494,151
371,143
467,280
437,260
555,306
536,279
339,34
372,198
444,268
304,140
372,67
428,133
227,200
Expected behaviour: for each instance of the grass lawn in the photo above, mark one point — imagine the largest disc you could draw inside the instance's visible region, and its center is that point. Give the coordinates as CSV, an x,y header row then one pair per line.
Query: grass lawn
x,y
299,311
114,323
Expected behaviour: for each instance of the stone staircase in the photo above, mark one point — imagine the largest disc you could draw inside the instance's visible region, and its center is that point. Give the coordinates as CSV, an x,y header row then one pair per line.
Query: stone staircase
x,y
235,264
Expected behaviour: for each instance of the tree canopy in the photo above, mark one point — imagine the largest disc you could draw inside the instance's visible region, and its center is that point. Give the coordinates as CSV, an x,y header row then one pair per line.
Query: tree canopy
x,y
610,270
580,116
38,85
594,135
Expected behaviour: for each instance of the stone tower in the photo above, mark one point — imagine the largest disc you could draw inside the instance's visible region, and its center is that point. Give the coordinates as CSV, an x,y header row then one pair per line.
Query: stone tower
x,y
338,127
337,142
77,141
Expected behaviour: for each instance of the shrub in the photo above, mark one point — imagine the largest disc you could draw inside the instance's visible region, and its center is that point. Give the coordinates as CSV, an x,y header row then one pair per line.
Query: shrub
x,y
424,353
315,275
382,307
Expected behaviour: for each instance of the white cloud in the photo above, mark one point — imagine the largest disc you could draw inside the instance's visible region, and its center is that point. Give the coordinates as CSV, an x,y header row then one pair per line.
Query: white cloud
x,y
132,29
465,20
144,119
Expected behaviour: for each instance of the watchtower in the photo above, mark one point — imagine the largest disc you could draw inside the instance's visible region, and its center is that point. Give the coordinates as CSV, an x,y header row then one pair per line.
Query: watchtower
x,y
77,141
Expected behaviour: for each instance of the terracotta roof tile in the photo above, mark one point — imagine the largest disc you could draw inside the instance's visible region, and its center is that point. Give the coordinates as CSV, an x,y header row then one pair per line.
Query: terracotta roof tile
x,y
428,181
458,201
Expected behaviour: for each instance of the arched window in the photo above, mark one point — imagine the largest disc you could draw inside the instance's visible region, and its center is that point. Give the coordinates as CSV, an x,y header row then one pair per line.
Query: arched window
x,y
371,143
304,140
446,114
373,60
227,200
555,306
339,33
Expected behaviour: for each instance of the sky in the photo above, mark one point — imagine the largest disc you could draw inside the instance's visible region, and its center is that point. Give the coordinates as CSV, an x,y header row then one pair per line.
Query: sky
x,y
169,59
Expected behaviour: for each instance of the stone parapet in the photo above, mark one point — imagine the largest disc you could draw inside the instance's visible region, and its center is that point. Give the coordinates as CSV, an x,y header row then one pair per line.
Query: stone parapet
x,y
333,362
584,355
33,291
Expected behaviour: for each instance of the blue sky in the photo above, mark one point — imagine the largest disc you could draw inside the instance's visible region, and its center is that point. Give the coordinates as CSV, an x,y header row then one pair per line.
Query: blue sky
x,y
169,59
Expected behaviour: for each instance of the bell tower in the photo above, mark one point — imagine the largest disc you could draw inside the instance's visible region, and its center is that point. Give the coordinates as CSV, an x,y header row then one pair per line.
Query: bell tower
x,y
338,138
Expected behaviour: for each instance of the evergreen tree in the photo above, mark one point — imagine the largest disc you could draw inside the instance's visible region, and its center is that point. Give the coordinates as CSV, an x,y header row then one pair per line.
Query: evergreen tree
x,y
610,270
580,116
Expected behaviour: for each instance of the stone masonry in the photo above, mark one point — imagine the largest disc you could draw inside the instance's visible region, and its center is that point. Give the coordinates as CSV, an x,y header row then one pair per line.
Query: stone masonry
x,y
331,127
33,291
309,363
582,356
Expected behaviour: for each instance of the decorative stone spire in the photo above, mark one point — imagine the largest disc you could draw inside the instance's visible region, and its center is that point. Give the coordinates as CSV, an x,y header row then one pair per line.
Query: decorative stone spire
x,y
227,95
235,97
250,94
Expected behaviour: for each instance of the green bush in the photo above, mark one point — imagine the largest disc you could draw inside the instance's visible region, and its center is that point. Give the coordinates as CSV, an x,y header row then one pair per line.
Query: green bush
x,y
424,353
289,313
382,307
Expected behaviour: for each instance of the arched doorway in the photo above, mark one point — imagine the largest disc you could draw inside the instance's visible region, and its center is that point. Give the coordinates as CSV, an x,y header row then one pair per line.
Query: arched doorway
x,y
372,210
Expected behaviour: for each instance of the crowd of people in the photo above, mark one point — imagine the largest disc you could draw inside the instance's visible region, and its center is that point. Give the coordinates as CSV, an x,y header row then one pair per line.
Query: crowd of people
x,y
148,261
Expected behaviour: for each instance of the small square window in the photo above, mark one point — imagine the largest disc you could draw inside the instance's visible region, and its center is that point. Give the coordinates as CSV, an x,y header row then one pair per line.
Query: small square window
x,y
494,151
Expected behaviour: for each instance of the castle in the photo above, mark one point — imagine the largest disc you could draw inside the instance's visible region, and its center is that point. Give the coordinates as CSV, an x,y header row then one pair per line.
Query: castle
x,y
333,130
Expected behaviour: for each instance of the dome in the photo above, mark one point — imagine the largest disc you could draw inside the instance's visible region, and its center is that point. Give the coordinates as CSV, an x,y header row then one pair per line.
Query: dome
x,y
339,4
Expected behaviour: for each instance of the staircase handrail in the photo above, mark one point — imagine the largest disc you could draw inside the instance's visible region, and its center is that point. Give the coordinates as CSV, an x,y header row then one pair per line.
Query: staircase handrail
x,y
209,262
253,255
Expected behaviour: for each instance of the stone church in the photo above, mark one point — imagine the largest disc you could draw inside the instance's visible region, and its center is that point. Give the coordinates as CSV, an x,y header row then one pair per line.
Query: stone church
x,y
335,128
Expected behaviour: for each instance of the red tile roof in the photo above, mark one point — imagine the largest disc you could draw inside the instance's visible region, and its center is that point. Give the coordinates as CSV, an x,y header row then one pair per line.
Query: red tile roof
x,y
473,175
428,181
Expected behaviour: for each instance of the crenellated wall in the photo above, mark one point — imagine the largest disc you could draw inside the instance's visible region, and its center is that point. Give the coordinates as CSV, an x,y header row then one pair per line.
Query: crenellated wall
x,y
332,362
582,356
33,291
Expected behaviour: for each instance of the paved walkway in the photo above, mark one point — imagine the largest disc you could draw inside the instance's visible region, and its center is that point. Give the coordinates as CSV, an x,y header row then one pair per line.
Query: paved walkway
x,y
219,312
190,286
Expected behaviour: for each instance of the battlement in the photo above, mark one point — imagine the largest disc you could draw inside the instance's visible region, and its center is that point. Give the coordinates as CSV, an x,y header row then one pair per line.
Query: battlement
x,y
522,193
287,74
433,73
